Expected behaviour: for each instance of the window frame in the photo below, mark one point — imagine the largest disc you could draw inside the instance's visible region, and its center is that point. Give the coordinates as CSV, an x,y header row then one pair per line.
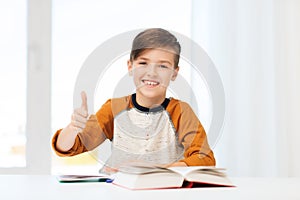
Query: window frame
x,y
38,105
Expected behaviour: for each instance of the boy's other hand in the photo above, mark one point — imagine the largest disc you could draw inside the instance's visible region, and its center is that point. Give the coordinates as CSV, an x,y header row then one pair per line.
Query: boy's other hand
x,y
177,164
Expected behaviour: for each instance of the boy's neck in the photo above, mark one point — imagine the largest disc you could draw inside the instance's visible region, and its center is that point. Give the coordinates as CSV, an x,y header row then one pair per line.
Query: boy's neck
x,y
149,102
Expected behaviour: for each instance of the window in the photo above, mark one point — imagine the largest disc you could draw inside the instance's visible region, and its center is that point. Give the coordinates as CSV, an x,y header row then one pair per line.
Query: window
x,y
13,83
25,86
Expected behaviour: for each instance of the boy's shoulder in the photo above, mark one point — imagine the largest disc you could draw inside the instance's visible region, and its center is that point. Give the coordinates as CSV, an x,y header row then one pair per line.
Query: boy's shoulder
x,y
118,100
179,106
181,109
178,103
121,100
117,104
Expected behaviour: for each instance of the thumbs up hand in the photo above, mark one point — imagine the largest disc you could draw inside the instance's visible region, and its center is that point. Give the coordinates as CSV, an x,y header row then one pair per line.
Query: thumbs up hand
x,y
80,115
66,138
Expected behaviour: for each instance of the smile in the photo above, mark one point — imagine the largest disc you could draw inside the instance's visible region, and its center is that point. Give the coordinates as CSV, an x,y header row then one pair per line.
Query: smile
x,y
150,83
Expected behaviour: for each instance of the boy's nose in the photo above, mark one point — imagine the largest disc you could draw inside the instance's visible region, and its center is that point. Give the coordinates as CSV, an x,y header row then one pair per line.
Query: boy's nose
x,y
152,69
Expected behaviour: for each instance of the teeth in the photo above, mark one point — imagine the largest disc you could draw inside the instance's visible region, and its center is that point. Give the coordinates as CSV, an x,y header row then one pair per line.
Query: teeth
x,y
150,83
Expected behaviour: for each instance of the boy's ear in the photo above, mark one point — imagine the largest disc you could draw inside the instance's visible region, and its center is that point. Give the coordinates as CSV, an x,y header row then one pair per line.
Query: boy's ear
x,y
129,67
175,73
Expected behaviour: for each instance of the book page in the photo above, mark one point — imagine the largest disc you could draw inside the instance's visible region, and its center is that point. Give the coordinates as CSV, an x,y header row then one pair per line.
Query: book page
x,y
205,175
204,169
142,168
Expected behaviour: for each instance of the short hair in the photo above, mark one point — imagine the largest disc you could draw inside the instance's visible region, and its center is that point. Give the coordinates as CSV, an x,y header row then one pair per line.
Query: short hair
x,y
155,38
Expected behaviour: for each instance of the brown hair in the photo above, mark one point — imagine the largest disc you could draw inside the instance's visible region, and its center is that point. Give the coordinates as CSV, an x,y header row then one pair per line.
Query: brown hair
x,y
155,38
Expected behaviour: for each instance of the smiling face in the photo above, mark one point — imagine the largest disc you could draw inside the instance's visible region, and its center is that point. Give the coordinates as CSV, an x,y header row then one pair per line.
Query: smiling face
x,y
152,72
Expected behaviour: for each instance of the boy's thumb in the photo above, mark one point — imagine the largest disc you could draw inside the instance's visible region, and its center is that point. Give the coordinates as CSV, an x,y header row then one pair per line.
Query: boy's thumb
x,y
84,101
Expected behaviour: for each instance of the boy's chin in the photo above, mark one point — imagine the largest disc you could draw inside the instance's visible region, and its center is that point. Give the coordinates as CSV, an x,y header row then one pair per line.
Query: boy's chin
x,y
151,94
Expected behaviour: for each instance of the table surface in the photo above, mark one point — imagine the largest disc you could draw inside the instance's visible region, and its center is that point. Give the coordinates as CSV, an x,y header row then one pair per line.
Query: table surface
x,y
31,187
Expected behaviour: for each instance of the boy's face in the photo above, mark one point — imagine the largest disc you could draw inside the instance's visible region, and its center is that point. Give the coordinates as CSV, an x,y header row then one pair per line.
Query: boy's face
x,y
152,72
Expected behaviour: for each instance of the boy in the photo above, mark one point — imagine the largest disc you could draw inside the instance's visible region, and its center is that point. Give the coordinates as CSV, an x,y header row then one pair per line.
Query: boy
x,y
145,126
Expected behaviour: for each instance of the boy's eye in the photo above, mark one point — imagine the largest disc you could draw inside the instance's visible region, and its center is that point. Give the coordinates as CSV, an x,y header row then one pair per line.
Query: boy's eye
x,y
142,63
163,66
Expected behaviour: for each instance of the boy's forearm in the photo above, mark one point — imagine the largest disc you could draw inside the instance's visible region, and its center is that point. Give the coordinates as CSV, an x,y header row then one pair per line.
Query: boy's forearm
x,y
200,160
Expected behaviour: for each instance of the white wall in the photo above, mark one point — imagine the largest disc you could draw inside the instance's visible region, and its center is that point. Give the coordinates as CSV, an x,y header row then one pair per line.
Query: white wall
x,y
255,45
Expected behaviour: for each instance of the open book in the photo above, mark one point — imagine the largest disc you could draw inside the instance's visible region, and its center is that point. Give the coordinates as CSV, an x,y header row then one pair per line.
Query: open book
x,y
154,177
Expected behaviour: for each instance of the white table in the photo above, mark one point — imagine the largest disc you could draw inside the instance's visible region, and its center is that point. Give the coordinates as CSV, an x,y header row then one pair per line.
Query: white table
x,y
44,187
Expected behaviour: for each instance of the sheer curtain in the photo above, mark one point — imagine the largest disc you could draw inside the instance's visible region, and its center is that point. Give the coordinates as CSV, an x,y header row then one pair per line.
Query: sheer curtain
x,y
255,45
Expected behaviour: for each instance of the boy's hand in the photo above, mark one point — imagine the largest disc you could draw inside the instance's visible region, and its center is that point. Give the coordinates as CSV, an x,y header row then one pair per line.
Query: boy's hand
x,y
66,138
109,170
177,164
80,115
